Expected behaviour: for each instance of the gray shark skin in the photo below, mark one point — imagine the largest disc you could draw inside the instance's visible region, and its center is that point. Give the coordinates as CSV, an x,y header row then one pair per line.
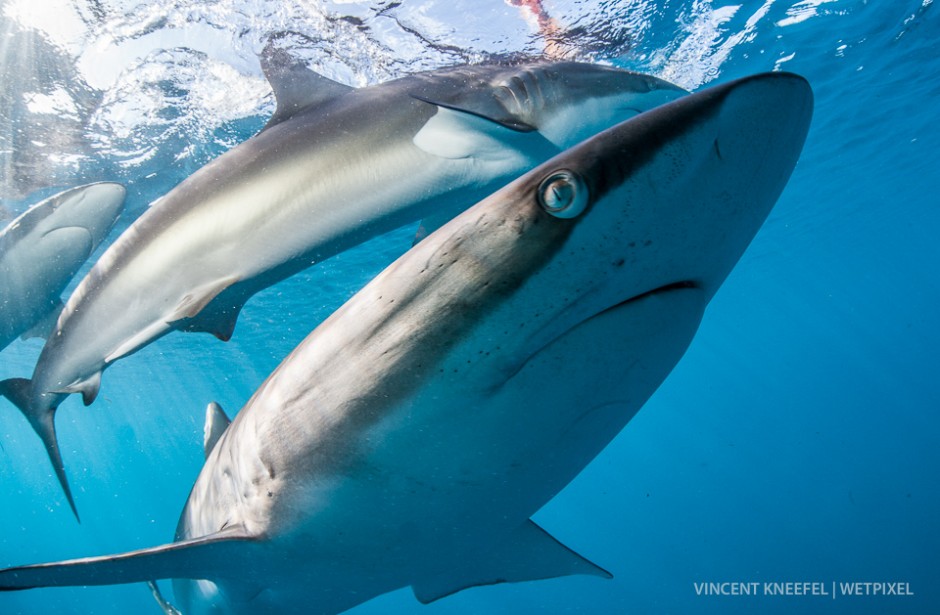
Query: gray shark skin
x,y
333,167
43,248
410,437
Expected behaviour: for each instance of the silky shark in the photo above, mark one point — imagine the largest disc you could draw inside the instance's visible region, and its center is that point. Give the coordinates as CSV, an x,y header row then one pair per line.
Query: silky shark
x,y
410,437
333,167
42,249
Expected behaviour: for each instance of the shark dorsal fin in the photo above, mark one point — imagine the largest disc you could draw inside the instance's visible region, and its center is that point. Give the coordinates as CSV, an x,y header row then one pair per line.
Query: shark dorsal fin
x,y
295,86
216,424
209,557
529,554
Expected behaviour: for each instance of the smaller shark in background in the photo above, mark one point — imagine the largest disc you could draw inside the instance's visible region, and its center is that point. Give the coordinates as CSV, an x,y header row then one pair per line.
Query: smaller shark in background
x,y
42,249
333,167
408,440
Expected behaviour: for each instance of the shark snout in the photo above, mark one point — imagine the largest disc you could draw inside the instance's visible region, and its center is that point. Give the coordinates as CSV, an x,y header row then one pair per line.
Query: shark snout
x,y
94,208
87,204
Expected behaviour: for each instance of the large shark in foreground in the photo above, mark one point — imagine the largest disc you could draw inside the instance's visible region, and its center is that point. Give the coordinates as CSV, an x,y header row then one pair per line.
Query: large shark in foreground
x,y
42,249
333,167
410,437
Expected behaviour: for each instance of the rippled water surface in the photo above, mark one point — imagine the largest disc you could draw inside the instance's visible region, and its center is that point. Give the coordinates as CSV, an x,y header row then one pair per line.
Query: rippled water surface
x,y
797,440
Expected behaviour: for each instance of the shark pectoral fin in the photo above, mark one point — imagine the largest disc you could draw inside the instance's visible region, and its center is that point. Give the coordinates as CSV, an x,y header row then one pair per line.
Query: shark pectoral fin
x,y
216,424
209,557
295,86
457,134
88,387
45,325
42,419
530,554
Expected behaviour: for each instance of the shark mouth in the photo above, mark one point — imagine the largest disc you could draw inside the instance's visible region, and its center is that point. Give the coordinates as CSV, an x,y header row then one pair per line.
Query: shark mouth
x,y
659,290
684,285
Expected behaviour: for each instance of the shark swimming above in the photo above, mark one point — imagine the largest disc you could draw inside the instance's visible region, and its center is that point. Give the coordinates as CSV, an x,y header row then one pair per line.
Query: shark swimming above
x,y
333,167
43,248
408,440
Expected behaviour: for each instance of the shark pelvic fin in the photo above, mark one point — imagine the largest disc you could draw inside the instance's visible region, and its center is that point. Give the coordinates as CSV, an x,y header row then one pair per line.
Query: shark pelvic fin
x,y
42,418
529,554
209,557
295,86
204,310
218,317
216,424
189,314
88,387
198,298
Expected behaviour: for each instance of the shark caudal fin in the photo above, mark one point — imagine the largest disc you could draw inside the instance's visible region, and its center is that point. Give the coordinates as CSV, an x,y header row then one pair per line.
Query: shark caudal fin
x,y
42,418
208,557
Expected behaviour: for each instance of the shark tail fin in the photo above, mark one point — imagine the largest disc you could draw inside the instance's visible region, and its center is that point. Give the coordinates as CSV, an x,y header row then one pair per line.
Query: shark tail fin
x,y
42,418
207,557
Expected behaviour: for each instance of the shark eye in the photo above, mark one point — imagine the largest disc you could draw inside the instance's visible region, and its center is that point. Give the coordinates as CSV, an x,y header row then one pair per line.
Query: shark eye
x,y
563,194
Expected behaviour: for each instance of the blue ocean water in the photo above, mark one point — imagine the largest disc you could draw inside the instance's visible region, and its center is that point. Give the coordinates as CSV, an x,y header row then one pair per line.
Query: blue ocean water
x,y
797,440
